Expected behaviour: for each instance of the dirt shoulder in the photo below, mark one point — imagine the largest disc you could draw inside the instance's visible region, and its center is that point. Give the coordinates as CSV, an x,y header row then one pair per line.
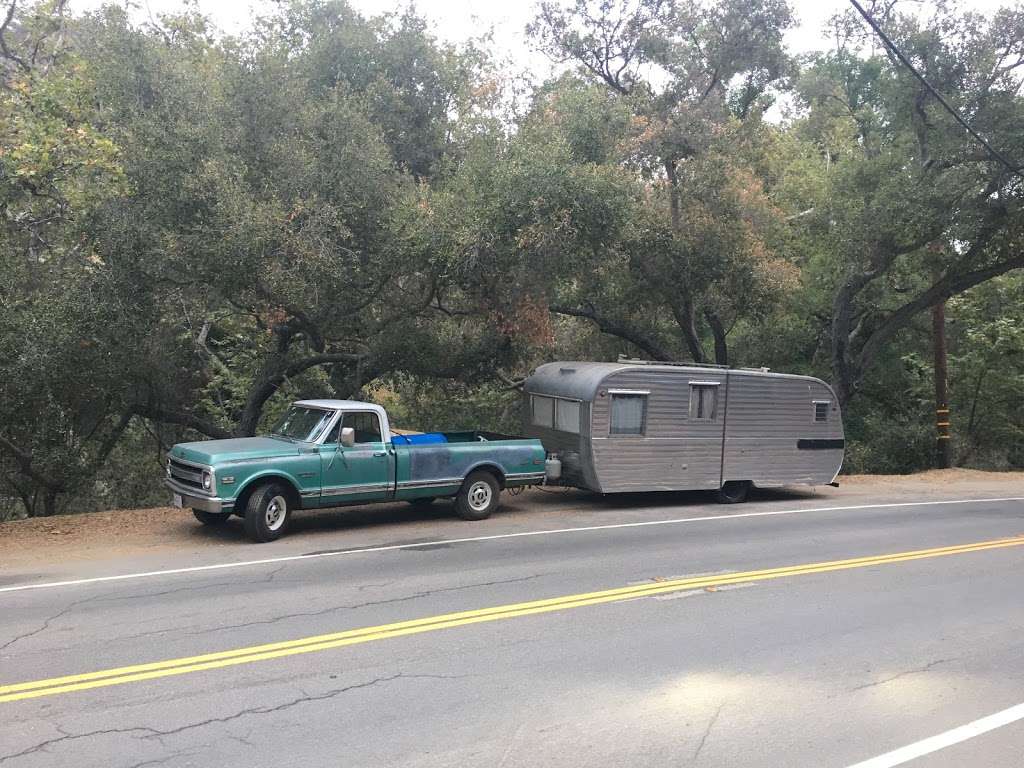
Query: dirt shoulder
x,y
167,531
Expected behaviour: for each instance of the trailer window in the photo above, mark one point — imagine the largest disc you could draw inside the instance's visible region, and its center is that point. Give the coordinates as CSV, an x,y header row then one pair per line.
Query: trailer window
x,y
629,414
543,411
821,409
703,402
567,416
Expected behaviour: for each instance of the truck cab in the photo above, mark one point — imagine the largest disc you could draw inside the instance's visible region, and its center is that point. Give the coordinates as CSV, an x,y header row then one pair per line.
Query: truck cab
x,y
328,453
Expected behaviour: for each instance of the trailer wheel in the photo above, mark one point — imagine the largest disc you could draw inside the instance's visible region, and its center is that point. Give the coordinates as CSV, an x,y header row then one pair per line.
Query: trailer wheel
x,y
211,518
478,497
267,513
733,492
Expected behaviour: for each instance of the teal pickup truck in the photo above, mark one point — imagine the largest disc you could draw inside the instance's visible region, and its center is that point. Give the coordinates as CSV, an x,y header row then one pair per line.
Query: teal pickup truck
x,y
331,453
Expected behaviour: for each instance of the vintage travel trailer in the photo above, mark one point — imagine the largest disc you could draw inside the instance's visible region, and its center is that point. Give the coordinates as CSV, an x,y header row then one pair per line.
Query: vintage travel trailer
x,y
635,425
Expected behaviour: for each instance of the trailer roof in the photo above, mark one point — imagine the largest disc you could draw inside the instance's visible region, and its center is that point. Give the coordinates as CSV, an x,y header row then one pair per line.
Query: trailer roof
x,y
576,380
580,380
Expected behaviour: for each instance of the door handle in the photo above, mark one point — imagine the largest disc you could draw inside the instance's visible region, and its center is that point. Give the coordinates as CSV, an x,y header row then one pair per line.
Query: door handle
x,y
380,453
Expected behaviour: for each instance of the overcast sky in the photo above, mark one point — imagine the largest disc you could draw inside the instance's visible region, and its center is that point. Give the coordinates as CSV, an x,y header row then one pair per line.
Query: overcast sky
x,y
457,20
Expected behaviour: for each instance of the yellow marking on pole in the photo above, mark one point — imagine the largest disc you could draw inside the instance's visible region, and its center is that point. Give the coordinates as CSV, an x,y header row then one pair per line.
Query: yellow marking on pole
x,y
217,660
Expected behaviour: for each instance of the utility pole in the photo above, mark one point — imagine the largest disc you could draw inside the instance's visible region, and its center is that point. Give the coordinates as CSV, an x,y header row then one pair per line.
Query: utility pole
x,y
944,449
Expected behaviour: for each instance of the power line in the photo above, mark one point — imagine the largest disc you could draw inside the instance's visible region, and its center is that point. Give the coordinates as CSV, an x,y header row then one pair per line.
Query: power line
x,y
1016,170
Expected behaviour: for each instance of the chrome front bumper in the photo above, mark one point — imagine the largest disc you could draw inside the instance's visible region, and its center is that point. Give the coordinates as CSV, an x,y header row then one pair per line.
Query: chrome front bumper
x,y
189,498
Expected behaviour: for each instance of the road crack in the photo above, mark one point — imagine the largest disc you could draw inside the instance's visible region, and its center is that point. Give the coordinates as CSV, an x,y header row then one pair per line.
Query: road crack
x,y
146,732
921,670
46,623
122,598
367,604
707,731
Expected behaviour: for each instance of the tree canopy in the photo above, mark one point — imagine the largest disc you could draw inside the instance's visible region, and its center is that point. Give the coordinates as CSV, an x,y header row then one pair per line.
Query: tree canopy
x,y
198,227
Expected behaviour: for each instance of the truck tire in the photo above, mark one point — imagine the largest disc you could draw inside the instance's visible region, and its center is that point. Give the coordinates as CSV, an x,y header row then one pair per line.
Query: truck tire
x,y
478,497
267,513
211,518
733,492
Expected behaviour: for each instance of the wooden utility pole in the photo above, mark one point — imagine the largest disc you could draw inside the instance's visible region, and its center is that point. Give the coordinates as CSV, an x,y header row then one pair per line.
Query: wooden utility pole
x,y
944,454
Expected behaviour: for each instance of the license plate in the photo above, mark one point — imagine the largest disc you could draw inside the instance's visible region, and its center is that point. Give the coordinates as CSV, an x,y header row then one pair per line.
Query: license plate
x,y
176,500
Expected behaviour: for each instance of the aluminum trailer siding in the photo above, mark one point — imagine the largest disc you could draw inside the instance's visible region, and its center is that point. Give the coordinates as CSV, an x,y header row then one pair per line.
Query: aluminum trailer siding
x,y
632,426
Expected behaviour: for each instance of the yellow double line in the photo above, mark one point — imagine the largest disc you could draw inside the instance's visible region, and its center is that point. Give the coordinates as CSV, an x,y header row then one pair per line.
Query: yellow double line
x,y
189,664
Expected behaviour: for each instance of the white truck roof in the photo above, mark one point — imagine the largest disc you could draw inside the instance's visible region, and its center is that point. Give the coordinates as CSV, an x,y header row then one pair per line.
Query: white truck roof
x,y
336,405
350,405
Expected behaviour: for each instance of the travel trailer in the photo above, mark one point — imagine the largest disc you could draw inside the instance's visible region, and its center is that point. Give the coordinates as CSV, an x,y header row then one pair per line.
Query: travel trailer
x,y
635,425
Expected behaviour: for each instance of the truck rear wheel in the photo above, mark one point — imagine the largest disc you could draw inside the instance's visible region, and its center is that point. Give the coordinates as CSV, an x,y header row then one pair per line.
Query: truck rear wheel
x,y
211,518
733,492
268,512
478,497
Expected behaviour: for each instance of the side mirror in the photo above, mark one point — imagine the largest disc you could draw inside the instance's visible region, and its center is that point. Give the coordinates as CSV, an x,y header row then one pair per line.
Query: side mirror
x,y
348,437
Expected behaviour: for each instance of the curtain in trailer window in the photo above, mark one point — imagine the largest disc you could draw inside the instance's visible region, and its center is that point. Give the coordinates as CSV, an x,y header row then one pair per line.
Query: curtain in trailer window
x,y
543,411
567,415
703,401
628,414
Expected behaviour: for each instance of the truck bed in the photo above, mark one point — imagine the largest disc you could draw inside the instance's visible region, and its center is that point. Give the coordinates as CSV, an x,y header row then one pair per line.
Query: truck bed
x,y
441,460
460,436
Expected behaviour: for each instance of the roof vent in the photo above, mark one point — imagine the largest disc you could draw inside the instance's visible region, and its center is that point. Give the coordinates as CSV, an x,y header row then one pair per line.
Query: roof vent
x,y
567,370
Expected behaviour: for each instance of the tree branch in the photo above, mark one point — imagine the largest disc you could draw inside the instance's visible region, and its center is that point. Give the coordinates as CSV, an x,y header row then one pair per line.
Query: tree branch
x,y
616,328
265,388
949,285
163,415
7,54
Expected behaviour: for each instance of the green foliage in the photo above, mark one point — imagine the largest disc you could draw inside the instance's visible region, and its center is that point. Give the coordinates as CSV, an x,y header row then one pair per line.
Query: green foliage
x,y
197,228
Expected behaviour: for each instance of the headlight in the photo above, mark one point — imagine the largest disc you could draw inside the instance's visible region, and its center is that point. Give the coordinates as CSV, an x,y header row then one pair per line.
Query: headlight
x,y
167,468
207,481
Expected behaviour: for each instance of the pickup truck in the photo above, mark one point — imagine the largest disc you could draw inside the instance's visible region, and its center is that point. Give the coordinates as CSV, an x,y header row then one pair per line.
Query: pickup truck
x,y
331,453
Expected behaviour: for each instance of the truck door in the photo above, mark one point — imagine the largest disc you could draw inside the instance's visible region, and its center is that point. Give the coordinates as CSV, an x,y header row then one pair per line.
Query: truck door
x,y
364,472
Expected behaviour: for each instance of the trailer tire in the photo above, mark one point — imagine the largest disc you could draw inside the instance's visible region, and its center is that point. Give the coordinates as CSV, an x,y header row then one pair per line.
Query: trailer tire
x,y
733,492
267,513
478,497
211,518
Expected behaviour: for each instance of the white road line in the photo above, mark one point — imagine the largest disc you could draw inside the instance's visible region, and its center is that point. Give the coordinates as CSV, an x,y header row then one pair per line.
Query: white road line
x,y
521,534
943,740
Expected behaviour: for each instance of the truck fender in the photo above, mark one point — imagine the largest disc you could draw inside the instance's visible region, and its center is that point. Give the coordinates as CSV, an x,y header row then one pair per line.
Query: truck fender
x,y
264,477
487,466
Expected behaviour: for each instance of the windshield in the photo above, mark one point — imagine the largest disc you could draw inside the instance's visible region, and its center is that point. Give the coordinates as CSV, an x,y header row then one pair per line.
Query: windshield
x,y
302,423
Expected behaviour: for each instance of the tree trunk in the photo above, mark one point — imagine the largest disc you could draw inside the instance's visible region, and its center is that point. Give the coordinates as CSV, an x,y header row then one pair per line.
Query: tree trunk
x,y
843,376
49,503
686,317
942,436
718,332
686,320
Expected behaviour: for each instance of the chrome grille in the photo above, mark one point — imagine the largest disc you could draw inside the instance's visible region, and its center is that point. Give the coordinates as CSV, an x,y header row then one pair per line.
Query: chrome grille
x,y
186,474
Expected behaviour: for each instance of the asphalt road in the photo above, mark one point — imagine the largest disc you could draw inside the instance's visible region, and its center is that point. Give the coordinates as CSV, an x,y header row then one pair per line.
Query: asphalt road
x,y
647,644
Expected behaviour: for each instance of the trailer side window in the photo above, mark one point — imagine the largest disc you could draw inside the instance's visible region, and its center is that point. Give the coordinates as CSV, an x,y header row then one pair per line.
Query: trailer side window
x,y
629,414
821,409
567,415
543,411
703,402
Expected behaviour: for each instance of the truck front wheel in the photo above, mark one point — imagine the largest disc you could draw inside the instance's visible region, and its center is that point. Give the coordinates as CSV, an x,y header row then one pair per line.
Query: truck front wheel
x,y
267,513
478,497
